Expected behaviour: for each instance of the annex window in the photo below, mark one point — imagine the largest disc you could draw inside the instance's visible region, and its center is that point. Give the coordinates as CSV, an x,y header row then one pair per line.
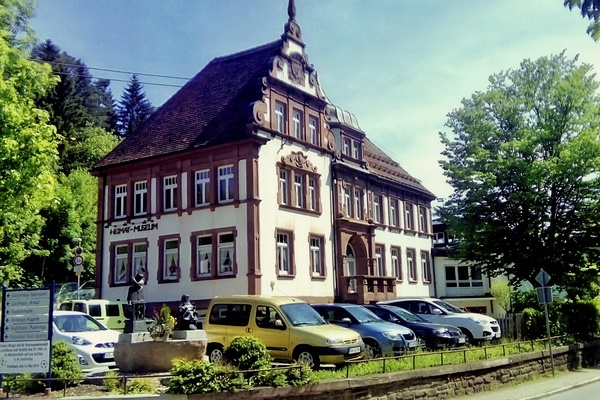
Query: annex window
x,y
312,194
120,201
422,219
355,149
464,276
425,266
297,118
439,238
299,191
226,253
316,256
283,187
226,184
379,266
280,117
358,208
202,187
313,130
347,146
396,265
377,208
140,198
204,256
170,193
394,216
410,265
408,217
121,264
170,266
284,253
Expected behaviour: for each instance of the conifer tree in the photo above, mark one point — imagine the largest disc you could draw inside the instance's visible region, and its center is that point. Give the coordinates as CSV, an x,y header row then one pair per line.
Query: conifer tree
x,y
134,107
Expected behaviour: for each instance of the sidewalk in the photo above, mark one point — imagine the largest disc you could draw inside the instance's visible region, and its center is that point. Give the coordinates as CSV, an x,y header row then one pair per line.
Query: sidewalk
x,y
541,387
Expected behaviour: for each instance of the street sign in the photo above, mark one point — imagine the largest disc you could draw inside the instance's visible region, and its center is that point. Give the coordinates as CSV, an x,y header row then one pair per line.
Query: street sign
x,y
26,315
78,264
544,294
543,277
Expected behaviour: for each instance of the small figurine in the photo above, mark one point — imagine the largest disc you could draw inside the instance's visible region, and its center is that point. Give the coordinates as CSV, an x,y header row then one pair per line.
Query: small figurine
x,y
187,317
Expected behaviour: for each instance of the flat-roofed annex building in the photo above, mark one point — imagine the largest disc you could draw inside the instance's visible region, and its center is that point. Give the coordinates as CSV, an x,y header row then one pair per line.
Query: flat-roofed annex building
x,y
248,180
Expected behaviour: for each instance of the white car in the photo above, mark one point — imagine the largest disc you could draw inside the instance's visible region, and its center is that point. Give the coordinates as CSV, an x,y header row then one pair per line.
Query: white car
x,y
93,342
477,327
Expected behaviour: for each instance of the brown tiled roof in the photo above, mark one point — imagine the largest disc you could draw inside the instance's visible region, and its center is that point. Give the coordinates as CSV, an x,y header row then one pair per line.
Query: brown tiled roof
x,y
382,165
211,108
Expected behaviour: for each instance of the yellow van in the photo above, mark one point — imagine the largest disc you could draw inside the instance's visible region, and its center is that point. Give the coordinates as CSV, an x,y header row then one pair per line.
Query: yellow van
x,y
290,329
109,313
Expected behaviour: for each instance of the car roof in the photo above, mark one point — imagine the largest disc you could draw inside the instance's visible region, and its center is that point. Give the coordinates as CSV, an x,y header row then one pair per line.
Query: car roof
x,y
57,313
340,305
98,301
279,300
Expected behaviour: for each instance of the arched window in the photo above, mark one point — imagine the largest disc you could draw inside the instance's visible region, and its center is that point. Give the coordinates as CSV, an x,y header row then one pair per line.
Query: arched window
x,y
351,268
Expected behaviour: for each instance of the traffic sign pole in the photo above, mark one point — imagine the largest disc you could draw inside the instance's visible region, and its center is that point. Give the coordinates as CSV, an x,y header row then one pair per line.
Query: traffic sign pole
x,y
543,278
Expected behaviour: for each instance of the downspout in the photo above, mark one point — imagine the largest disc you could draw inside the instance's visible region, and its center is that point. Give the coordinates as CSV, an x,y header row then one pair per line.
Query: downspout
x,y
100,238
336,293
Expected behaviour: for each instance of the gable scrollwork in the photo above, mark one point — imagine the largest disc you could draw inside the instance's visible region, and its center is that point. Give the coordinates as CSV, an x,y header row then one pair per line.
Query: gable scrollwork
x,y
298,160
277,63
257,111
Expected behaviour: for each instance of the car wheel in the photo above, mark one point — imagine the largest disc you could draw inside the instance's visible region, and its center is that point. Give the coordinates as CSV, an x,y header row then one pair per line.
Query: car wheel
x,y
215,354
306,355
469,335
372,350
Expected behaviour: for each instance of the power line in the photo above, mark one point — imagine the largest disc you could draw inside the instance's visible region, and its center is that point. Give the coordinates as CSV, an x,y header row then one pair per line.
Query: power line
x,y
118,80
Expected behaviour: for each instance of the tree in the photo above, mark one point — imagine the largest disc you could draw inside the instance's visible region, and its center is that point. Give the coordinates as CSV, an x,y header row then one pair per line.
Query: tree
x,y
28,144
589,9
134,108
523,159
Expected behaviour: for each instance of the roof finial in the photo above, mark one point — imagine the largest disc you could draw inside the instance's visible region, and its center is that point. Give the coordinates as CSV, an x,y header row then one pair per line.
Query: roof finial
x,y
291,10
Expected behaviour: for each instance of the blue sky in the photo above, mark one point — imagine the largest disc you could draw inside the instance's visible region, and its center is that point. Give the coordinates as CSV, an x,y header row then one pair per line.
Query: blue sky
x,y
399,65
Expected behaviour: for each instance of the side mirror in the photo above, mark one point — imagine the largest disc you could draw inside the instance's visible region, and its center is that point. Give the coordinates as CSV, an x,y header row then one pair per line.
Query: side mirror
x,y
279,324
346,321
436,311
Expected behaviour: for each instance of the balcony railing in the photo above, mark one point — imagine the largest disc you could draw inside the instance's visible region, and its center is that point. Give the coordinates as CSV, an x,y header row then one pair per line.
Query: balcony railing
x,y
364,289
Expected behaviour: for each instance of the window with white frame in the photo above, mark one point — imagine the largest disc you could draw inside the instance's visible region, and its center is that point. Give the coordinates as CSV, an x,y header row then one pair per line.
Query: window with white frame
x,y
355,149
202,187
204,256
280,117
425,266
316,256
394,217
358,208
170,193
283,253
226,253
312,194
226,184
170,260
313,130
377,207
297,118
411,265
347,203
463,276
396,265
408,216
347,146
439,238
120,201
379,267
299,191
140,198
283,187
121,264
140,251
422,219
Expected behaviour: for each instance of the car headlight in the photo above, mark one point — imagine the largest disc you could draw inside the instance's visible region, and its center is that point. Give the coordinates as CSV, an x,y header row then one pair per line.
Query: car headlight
x,y
441,332
335,341
392,335
80,341
479,321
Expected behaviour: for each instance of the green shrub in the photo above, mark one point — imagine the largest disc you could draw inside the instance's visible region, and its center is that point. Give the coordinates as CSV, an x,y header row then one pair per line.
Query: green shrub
x,y
247,353
194,376
22,383
141,385
581,320
299,376
112,383
534,324
64,366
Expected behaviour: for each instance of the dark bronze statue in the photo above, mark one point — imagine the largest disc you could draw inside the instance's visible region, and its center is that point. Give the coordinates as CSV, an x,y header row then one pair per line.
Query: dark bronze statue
x,y
187,316
135,295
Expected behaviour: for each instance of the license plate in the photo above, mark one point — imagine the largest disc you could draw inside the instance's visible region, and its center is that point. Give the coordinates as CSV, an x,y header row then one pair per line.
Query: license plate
x,y
109,355
354,350
461,340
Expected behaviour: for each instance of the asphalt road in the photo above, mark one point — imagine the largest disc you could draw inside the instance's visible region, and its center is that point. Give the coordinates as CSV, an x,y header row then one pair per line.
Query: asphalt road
x,y
585,392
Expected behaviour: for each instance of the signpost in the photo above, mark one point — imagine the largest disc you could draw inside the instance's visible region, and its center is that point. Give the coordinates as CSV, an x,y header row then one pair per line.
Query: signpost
x,y
545,296
26,334
78,262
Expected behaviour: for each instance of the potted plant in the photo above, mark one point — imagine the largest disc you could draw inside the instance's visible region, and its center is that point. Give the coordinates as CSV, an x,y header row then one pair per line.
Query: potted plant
x,y
162,325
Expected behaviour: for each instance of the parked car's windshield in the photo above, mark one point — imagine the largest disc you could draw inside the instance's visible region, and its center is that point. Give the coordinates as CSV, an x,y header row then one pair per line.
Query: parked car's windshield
x,y
301,314
406,315
363,314
77,323
448,307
